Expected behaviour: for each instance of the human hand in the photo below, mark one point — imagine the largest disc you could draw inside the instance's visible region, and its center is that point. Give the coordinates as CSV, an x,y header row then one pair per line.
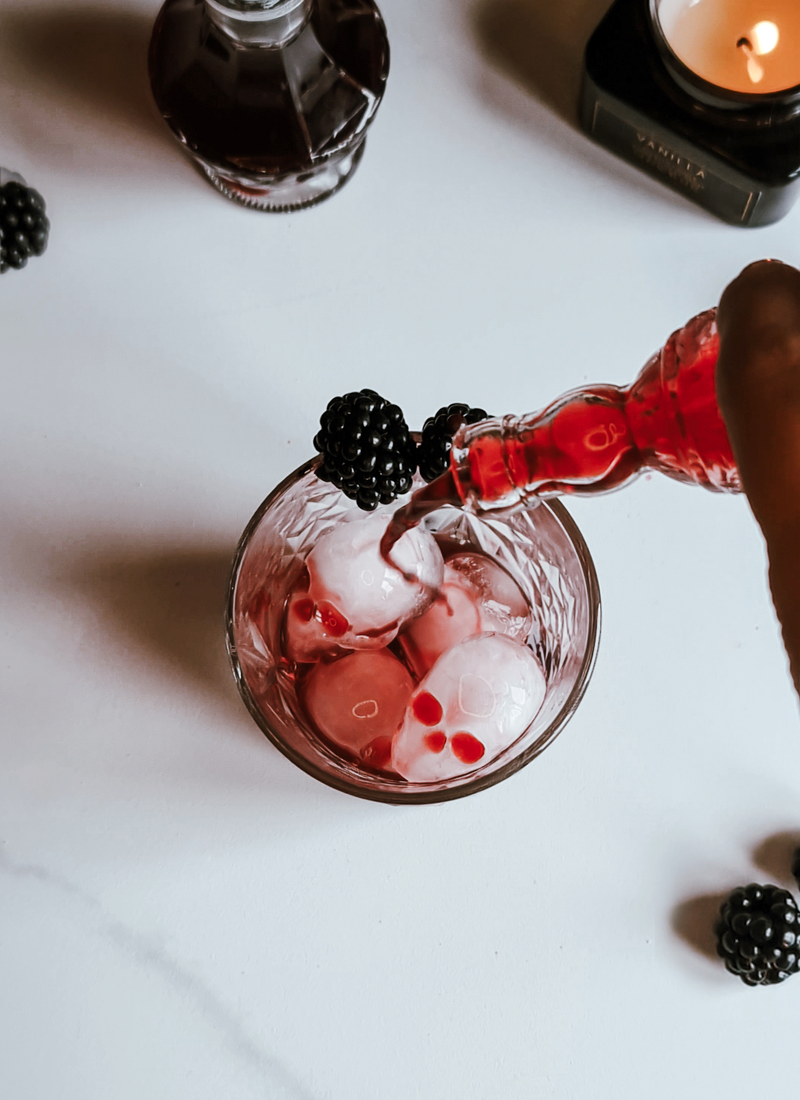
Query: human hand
x,y
758,389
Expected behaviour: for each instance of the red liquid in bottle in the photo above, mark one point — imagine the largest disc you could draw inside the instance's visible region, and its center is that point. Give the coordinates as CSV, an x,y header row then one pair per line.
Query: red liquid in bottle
x,y
595,439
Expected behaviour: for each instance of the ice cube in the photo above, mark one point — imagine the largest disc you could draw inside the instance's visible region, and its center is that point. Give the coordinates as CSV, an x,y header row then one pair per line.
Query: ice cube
x,y
348,574
358,702
453,617
312,631
503,607
477,597
478,698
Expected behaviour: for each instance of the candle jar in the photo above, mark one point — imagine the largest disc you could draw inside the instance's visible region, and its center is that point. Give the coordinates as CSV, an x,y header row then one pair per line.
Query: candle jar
x,y
271,99
687,94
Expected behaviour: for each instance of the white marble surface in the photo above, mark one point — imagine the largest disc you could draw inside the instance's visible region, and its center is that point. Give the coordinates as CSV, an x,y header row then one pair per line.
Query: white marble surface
x,y
183,914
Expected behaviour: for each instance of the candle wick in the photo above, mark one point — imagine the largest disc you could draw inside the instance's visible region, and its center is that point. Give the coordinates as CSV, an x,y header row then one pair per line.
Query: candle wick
x,y
754,70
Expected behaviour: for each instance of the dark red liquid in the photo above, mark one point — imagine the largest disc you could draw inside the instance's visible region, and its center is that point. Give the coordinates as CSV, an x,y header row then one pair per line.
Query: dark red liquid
x,y
467,748
427,709
436,741
597,439
268,111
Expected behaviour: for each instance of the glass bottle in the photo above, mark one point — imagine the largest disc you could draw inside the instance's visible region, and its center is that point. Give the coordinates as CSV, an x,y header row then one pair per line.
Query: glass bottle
x,y
270,98
595,439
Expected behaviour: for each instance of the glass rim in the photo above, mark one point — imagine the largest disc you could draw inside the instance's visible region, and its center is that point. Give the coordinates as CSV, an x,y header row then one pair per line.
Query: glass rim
x,y
408,796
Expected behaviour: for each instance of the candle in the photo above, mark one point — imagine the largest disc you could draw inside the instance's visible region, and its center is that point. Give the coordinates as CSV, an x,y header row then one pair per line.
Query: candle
x,y
750,46
705,96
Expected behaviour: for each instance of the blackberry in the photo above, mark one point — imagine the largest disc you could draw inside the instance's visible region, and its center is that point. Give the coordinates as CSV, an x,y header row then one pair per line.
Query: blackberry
x,y
23,225
437,437
367,449
757,934
796,865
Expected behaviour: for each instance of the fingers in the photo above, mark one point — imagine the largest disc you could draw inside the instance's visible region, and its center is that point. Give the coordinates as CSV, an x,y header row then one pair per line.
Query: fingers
x,y
759,323
758,388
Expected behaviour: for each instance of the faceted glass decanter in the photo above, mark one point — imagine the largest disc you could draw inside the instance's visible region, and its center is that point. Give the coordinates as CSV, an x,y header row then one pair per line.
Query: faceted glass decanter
x,y
270,98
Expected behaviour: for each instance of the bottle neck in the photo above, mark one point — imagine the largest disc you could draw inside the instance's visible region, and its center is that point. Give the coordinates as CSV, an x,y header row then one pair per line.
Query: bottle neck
x,y
267,24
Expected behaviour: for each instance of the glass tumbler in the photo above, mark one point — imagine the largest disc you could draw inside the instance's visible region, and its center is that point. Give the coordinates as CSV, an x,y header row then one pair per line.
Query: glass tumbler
x,y
538,545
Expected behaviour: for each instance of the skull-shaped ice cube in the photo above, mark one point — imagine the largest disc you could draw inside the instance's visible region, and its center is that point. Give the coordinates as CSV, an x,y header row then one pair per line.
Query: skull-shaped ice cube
x,y
355,599
478,698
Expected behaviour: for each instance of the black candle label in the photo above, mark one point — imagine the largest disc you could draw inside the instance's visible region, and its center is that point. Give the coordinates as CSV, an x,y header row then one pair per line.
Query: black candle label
x,y
672,159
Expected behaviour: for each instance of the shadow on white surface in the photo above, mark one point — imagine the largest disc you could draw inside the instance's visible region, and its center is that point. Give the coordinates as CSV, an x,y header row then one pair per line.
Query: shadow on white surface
x,y
139,701
693,921
539,46
773,856
80,86
161,611
167,604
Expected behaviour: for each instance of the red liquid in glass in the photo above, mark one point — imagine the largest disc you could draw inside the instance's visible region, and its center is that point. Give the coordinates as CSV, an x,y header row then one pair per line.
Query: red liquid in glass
x,y
375,755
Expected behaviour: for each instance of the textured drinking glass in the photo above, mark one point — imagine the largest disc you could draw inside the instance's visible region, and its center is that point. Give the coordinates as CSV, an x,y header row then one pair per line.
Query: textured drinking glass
x,y
539,546
270,98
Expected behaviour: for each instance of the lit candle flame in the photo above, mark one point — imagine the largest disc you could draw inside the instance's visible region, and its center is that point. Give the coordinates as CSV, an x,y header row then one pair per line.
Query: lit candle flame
x,y
763,39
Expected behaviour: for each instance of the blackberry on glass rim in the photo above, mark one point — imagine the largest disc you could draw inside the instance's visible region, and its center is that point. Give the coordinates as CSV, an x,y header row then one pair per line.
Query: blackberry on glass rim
x,y
367,449
437,437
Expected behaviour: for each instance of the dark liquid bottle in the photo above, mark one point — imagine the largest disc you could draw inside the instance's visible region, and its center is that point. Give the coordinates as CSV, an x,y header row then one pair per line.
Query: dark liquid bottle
x,y
270,98
595,439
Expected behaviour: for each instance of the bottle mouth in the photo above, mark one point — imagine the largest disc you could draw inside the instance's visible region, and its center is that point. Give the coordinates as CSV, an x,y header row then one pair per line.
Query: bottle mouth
x,y
255,10
268,24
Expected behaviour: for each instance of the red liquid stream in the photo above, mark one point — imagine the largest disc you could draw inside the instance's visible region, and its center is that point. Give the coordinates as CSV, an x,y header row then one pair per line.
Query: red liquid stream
x,y
594,439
